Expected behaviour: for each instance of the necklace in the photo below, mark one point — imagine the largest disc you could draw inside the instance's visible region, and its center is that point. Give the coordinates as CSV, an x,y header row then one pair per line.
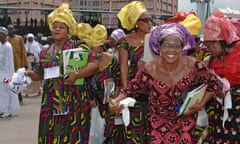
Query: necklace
x,y
55,50
141,40
169,70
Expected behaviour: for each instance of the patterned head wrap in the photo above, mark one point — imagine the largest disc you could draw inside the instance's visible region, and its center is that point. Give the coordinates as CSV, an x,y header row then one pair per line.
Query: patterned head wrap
x,y
218,27
84,31
164,30
63,14
130,13
236,23
179,16
193,24
117,34
189,20
97,36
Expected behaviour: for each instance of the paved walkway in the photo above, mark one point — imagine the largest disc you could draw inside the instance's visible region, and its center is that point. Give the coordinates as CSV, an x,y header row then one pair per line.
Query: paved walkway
x,y
22,127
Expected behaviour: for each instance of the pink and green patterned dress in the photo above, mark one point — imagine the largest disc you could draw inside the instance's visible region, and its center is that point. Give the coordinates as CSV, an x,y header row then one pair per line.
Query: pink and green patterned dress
x,y
65,109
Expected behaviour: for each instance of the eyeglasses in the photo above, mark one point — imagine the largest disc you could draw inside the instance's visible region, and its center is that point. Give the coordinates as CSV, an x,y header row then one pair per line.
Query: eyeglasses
x,y
173,46
146,20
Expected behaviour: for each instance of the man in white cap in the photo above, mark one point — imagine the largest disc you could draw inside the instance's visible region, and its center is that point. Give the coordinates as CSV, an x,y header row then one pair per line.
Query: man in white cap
x,y
8,99
33,49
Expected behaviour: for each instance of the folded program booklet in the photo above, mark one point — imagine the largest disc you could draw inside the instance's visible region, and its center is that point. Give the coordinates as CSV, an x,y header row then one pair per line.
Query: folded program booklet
x,y
73,60
193,97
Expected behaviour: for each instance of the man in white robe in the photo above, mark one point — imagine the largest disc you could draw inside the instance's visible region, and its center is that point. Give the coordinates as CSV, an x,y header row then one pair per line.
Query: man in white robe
x,y
8,99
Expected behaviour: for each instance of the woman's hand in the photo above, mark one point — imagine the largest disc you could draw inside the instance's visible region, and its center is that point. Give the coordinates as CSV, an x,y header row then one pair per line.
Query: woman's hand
x,y
194,109
114,106
93,103
71,78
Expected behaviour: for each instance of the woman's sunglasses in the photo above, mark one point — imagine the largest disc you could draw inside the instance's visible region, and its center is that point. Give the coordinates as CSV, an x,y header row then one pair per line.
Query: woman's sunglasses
x,y
146,20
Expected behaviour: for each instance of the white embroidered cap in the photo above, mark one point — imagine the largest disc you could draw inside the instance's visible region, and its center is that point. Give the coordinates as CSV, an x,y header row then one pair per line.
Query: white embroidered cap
x,y
3,30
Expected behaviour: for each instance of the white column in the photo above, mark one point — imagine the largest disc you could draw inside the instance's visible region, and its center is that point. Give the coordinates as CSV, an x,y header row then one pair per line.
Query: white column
x,y
201,12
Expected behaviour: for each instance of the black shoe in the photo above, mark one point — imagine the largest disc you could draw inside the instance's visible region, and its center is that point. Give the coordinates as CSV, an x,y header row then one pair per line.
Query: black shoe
x,y
5,115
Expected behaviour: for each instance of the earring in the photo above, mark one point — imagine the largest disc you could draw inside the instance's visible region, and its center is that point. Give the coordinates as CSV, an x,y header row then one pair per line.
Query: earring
x,y
136,26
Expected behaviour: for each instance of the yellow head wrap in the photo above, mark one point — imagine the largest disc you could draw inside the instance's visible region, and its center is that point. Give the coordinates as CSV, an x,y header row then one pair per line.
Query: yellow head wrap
x,y
193,24
130,13
93,36
62,14
84,31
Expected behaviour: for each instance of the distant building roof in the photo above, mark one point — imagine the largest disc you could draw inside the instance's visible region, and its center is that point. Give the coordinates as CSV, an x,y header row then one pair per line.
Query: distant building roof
x,y
229,12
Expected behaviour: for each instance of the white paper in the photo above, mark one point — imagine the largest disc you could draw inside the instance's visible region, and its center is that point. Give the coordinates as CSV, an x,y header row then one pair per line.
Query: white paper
x,y
127,102
202,119
227,105
52,72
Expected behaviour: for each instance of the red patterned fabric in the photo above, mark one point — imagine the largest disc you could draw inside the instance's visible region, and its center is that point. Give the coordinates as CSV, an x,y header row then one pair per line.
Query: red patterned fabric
x,y
230,67
179,16
165,124
236,23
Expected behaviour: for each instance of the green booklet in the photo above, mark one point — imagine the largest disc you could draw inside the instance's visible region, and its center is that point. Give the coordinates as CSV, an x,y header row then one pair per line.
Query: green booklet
x,y
73,60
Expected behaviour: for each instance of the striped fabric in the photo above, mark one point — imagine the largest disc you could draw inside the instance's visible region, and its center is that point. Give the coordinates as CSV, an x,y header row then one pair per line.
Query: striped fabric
x,y
54,127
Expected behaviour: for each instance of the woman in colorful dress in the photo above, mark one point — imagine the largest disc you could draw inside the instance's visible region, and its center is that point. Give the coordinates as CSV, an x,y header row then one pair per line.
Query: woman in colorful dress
x,y
167,78
65,108
107,68
222,40
134,17
193,25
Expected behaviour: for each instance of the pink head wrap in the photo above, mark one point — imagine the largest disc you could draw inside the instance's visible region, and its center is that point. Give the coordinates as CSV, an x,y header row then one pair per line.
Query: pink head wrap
x,y
236,23
218,27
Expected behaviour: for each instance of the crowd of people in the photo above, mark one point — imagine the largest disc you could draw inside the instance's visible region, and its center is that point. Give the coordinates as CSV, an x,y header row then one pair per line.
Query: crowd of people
x,y
96,111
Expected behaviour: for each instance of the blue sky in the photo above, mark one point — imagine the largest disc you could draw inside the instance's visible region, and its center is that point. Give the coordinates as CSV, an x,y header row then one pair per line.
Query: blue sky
x,y
185,5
